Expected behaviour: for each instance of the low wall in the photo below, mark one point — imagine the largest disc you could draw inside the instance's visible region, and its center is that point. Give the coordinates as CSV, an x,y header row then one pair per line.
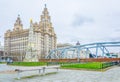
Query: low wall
x,y
58,60
82,60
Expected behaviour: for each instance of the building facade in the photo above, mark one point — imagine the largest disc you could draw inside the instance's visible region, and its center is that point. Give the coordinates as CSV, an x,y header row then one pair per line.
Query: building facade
x,y
62,45
1,51
16,40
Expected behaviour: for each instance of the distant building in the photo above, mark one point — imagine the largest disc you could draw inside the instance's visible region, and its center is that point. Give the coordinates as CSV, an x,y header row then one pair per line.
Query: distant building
x,y
1,51
118,55
77,43
16,41
60,45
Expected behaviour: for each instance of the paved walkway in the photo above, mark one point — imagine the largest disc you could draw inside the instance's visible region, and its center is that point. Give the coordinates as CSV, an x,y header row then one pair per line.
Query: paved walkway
x,y
112,75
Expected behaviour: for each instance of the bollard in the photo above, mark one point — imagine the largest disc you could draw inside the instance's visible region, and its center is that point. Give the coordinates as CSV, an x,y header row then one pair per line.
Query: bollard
x,y
18,73
43,70
57,69
39,71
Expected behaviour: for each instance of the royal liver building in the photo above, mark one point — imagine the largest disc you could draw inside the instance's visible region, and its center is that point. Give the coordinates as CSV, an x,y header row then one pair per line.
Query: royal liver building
x,y
35,42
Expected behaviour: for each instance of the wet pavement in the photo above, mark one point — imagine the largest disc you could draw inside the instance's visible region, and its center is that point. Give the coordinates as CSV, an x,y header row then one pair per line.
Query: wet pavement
x,y
111,75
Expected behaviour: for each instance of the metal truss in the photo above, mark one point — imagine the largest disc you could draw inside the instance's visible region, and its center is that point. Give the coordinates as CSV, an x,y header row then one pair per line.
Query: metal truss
x,y
76,51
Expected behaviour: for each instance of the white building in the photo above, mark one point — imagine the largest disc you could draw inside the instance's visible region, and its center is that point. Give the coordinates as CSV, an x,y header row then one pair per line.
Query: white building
x,y
16,40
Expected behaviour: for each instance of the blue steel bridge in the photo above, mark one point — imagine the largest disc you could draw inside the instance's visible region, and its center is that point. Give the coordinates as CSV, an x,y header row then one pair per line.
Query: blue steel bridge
x,y
92,50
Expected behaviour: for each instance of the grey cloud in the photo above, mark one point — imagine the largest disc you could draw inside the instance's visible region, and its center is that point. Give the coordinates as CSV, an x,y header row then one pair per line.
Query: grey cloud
x,y
117,30
81,20
114,39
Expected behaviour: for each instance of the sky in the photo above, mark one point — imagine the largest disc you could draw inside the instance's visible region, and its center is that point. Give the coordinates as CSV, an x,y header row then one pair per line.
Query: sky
x,y
86,21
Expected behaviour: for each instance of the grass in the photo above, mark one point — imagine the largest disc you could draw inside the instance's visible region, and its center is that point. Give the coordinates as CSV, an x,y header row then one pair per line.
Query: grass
x,y
89,65
2,62
29,63
93,65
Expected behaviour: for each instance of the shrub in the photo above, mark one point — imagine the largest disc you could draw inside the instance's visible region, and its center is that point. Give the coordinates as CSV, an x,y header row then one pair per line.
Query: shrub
x,y
29,63
91,65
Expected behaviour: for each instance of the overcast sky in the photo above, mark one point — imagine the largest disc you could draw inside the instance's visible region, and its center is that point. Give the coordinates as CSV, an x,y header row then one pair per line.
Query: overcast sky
x,y
86,21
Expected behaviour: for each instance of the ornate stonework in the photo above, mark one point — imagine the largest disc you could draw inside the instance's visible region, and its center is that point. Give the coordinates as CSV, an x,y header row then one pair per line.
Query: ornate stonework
x,y
31,54
16,40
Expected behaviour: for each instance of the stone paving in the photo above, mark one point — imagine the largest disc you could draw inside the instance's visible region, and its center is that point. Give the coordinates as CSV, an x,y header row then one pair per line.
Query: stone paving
x,y
112,75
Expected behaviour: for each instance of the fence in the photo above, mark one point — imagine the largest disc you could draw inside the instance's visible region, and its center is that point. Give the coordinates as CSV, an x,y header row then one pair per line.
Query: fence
x,y
82,60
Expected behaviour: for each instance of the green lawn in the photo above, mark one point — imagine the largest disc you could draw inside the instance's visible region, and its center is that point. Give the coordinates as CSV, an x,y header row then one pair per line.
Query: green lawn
x,y
29,63
89,65
2,62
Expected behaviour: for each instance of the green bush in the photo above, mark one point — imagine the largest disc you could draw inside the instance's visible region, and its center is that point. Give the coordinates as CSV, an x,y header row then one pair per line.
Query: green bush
x,y
91,65
29,63
2,62
107,64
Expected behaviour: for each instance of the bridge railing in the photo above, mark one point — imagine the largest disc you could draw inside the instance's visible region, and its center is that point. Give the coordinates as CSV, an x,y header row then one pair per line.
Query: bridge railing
x,y
102,47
